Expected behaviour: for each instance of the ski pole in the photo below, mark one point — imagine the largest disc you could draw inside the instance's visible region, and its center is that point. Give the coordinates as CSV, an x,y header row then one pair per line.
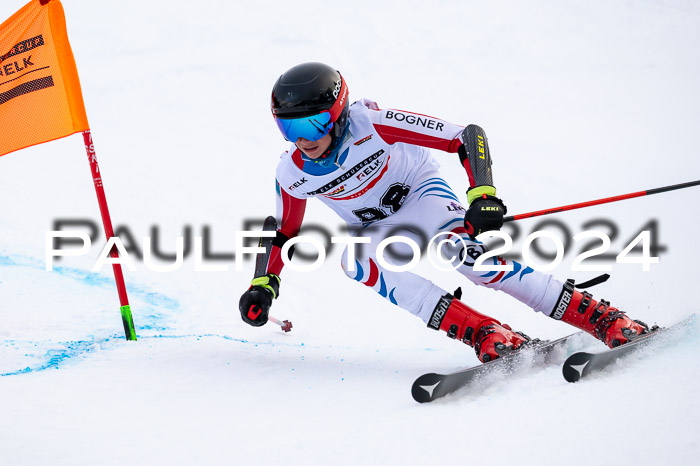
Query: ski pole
x,y
285,324
606,200
261,261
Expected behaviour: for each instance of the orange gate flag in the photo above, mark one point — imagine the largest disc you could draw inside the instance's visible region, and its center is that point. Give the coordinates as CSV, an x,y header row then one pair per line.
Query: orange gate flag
x,y
40,96
40,100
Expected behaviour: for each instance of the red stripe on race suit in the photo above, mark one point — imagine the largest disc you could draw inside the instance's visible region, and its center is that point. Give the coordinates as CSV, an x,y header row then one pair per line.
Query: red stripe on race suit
x,y
373,274
393,131
298,161
392,135
496,278
293,210
501,261
470,175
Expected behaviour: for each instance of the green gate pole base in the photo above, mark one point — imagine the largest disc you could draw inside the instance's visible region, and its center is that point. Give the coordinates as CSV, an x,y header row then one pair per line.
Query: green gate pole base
x,y
128,323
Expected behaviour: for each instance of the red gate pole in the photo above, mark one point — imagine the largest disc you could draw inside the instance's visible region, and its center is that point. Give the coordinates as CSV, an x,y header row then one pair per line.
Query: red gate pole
x,y
109,233
606,200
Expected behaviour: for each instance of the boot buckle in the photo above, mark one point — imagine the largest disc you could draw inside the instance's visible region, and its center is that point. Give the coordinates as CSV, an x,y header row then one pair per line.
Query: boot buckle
x,y
600,309
452,332
585,302
468,334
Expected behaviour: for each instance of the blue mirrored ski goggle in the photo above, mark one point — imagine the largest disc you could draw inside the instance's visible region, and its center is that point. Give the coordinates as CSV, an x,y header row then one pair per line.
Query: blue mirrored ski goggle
x,y
313,127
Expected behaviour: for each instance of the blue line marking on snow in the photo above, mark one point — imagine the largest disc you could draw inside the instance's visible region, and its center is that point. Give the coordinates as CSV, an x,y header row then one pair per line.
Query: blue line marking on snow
x,y
54,357
91,279
6,261
152,310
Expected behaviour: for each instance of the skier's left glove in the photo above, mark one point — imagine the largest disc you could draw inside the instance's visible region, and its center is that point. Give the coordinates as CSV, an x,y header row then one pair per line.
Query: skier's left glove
x,y
256,301
485,211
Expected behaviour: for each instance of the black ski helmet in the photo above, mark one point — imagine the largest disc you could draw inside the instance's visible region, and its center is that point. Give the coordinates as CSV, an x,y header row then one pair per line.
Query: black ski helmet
x,y
308,89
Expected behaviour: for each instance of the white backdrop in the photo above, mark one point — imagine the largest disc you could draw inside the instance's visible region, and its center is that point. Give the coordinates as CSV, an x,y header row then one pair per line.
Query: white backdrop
x,y
580,100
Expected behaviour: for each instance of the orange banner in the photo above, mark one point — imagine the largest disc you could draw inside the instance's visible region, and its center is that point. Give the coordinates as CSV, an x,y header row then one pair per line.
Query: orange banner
x,y
40,96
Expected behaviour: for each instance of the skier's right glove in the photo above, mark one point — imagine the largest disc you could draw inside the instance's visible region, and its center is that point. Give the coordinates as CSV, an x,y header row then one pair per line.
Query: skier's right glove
x,y
256,301
485,211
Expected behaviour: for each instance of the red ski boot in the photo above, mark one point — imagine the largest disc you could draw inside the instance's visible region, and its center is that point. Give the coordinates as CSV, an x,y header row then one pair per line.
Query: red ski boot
x,y
606,323
486,335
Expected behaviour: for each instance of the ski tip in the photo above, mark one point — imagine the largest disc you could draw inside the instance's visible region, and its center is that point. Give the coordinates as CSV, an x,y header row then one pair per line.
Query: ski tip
x,y
576,366
423,389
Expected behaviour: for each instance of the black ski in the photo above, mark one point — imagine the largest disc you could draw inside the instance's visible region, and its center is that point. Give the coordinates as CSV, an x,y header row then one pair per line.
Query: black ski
x,y
430,387
581,364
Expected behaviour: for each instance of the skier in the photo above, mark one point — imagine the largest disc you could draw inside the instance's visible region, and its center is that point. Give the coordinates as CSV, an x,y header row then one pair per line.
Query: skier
x,y
373,167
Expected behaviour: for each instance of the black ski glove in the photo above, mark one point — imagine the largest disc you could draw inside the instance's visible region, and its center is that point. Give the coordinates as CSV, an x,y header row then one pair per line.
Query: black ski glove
x,y
485,211
256,301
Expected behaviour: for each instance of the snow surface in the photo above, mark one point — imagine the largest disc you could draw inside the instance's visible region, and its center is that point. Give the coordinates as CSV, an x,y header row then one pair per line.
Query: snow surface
x,y
580,99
